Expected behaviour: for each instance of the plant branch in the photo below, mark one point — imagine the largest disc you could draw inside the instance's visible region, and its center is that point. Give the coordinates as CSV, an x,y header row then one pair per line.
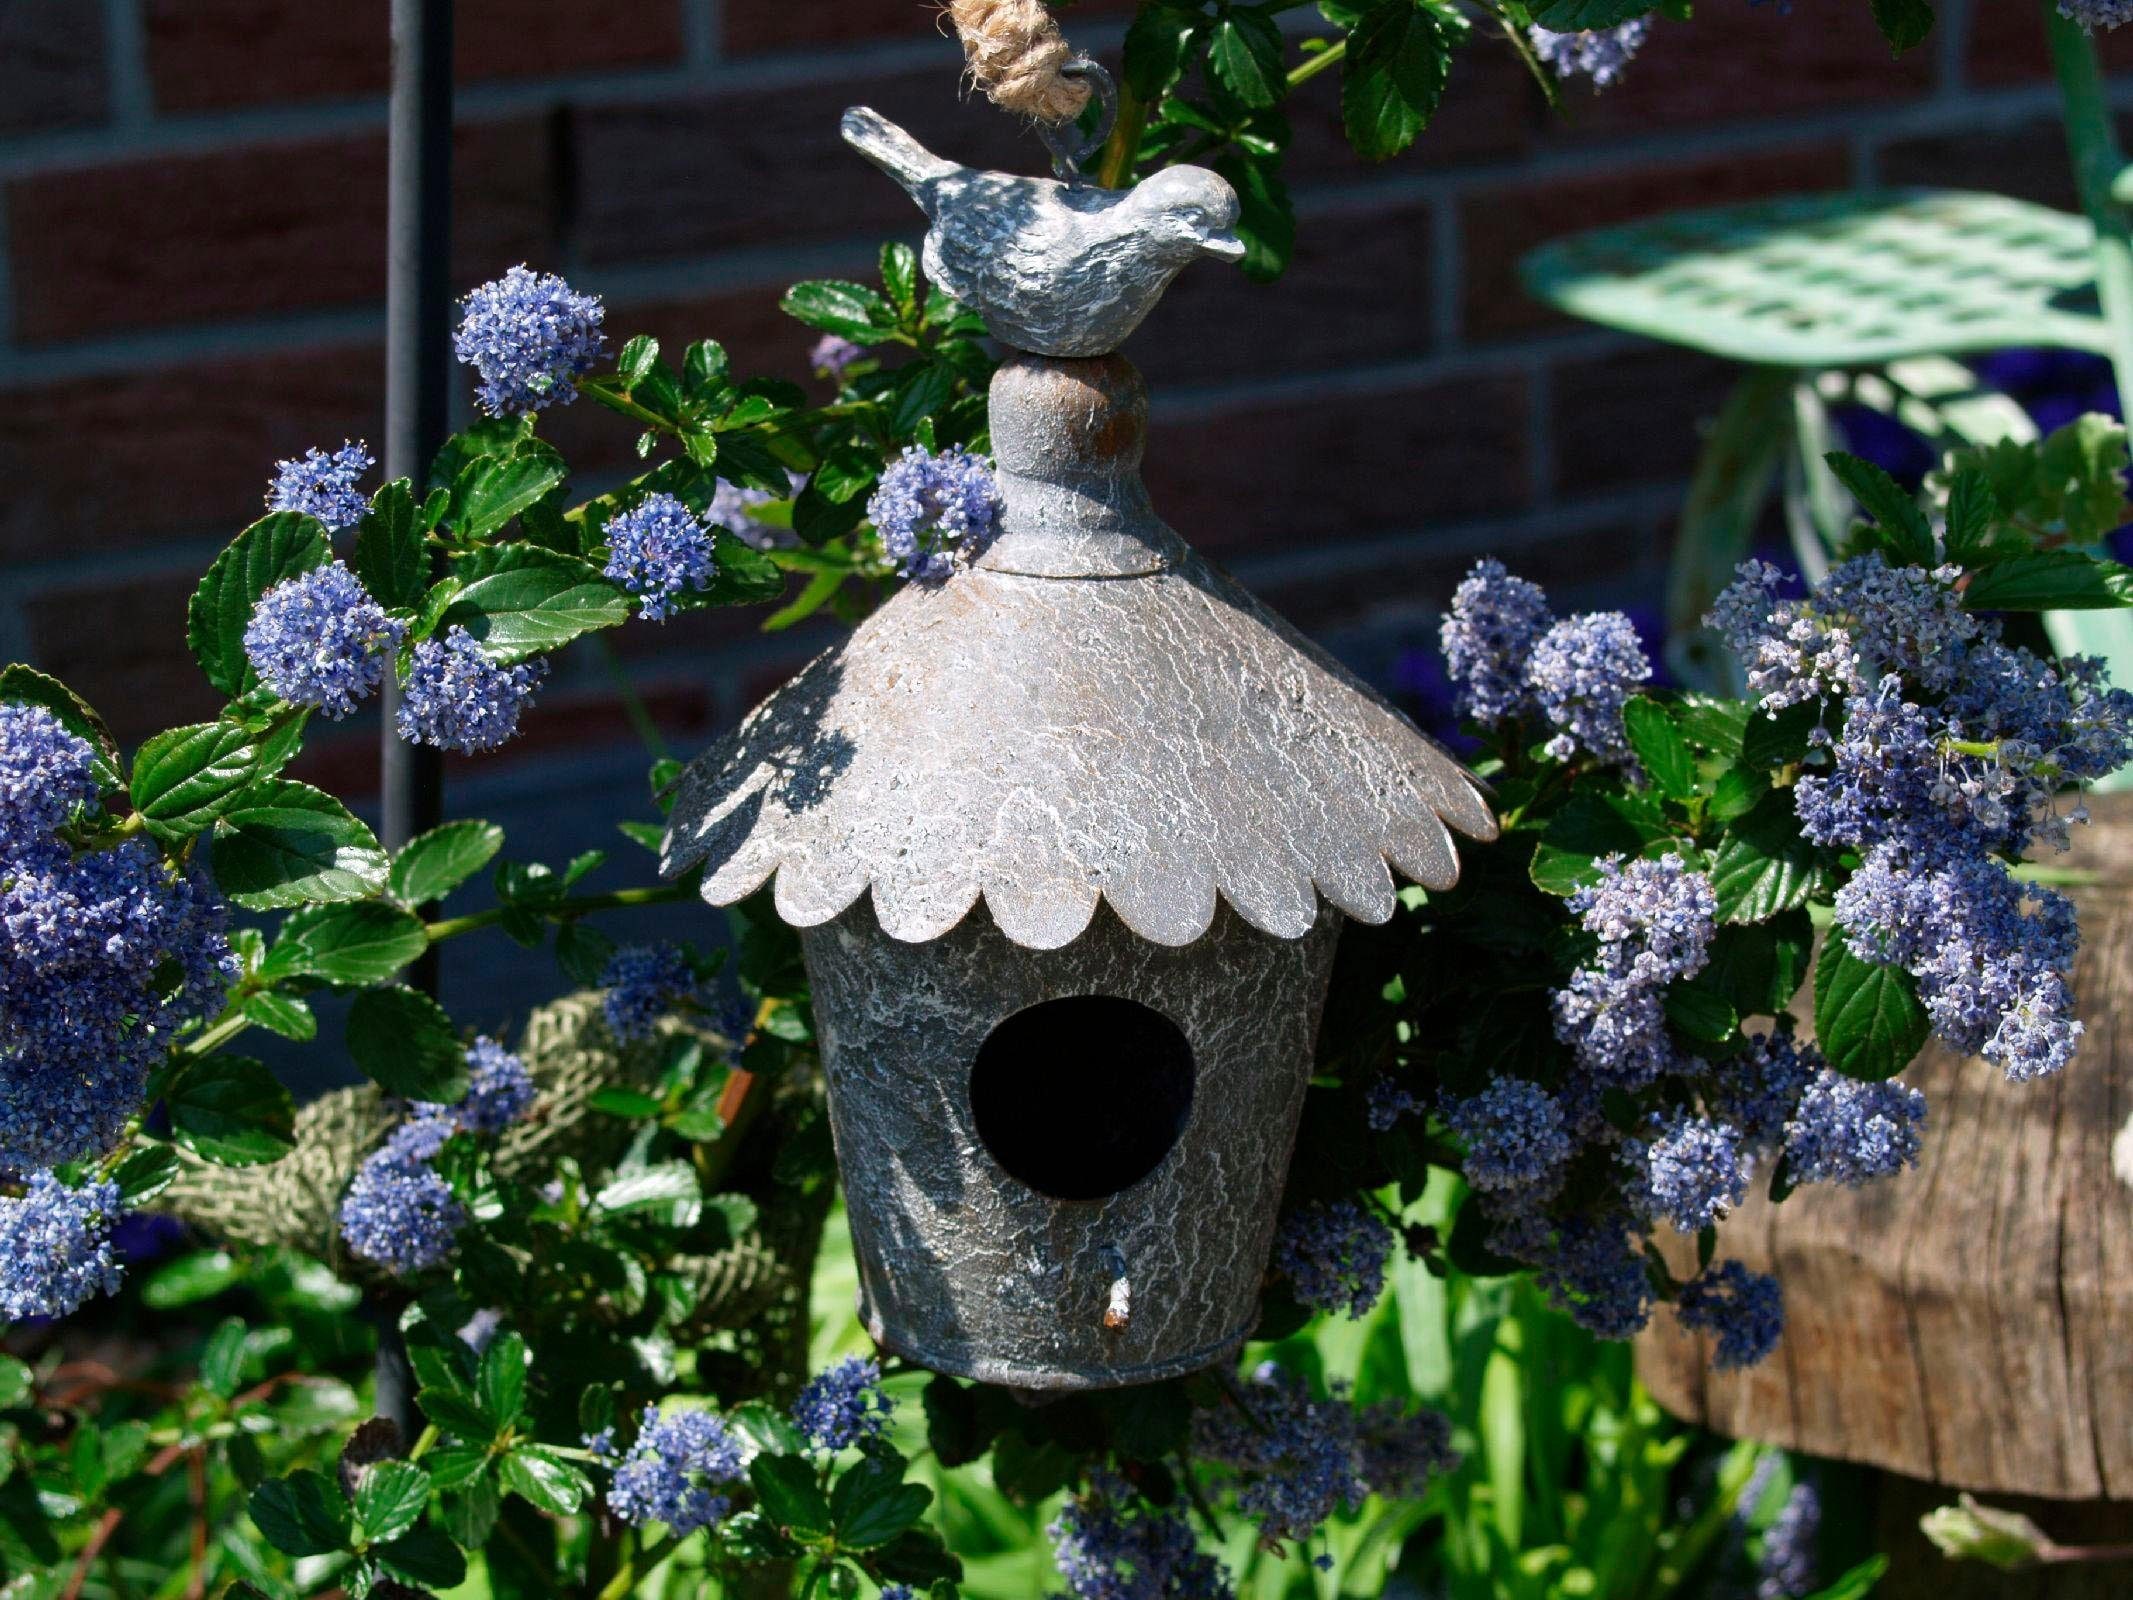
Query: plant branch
x,y
567,909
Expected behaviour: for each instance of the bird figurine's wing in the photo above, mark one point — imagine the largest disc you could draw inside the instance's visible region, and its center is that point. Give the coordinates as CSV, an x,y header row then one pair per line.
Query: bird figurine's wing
x,y
896,153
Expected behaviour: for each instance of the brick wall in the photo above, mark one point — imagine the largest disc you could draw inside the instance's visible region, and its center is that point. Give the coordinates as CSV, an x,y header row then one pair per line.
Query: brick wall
x,y
191,271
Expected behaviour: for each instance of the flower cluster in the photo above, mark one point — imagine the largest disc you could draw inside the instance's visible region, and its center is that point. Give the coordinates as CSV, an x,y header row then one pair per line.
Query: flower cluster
x,y
1333,1253
1952,755
323,485
1510,658
55,1247
320,640
45,772
843,1405
671,1469
1596,53
399,1212
2094,14
734,509
1296,1461
530,337
643,983
657,549
833,355
456,698
1514,1134
1110,1543
1742,1310
934,512
1785,1566
1654,921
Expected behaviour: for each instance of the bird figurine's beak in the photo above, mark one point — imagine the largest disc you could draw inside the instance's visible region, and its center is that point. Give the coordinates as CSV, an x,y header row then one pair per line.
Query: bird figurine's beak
x,y
1223,246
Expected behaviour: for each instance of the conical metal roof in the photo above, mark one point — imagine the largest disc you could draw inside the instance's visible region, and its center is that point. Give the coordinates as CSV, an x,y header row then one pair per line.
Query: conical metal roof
x,y
1092,712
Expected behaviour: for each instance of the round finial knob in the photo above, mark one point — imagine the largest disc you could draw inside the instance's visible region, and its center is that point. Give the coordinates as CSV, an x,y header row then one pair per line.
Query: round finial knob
x,y
1068,434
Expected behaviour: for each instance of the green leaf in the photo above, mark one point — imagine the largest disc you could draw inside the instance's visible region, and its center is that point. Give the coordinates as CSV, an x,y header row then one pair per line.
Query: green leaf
x,y
431,865
145,1173
425,1557
17,1383
1587,828
494,491
1572,16
1780,740
1266,218
670,1191
786,1490
389,1498
1868,1019
456,1414
388,554
521,600
281,1013
354,945
1900,527
1904,23
1758,967
454,1466
404,1042
1973,516
184,779
1700,1014
1156,47
1713,724
849,310
2050,580
1661,748
1765,866
899,276
273,549
1737,791
24,685
222,1358
1398,58
872,1504
501,1382
302,1514
190,1279
1244,54
638,357
286,844
704,367
231,1110
544,1478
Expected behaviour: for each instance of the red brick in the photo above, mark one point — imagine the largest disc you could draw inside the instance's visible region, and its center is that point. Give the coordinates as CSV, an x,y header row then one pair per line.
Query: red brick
x,y
1308,471
207,54
106,463
1633,418
757,25
1357,291
264,228
2006,44
1500,226
764,166
1739,62
121,647
51,65
2029,162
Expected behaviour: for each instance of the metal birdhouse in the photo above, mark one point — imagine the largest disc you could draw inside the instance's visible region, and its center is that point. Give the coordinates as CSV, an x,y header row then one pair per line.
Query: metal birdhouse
x,y
1068,838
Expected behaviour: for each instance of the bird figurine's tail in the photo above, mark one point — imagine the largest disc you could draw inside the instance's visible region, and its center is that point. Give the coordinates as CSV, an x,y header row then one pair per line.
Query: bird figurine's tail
x,y
891,149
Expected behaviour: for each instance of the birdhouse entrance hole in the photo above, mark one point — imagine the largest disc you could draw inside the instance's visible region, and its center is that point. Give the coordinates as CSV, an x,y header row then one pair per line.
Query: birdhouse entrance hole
x,y
1082,1097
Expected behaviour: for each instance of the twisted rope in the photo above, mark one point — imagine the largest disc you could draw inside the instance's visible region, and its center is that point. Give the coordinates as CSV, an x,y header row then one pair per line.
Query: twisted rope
x,y
1015,52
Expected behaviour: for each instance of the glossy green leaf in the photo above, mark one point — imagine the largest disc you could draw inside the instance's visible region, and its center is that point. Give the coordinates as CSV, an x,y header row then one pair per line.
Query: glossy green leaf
x,y
273,549
1765,866
2050,580
1244,54
495,491
288,844
425,1557
389,556
281,1013
1899,525
303,1514
431,865
1660,746
501,1381
1158,44
231,1110
456,1414
786,1490
389,1498
871,1504
1398,59
190,1279
521,600
149,1168
544,1478
403,1041
1574,16
1868,1019
849,310
24,685
184,779
362,943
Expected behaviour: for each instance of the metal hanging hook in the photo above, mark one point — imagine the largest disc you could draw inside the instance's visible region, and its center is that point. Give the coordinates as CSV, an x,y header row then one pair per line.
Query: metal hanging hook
x,y
1068,150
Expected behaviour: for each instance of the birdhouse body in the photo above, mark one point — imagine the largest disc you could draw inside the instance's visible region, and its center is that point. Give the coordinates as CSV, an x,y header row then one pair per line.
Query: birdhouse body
x,y
1070,838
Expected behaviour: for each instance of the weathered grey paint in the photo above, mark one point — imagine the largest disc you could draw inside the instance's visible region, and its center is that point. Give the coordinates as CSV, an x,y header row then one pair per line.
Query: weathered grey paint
x,y
965,1269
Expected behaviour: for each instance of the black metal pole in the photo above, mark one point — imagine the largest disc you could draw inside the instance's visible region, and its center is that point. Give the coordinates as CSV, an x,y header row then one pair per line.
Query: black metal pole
x,y
418,311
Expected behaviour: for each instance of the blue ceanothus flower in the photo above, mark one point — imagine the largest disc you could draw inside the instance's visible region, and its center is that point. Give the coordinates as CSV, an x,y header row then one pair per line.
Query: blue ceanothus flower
x,y
1848,1132
530,337
456,698
1333,1253
55,1247
671,1469
1742,1310
643,983
2094,14
1583,671
1596,53
1785,1566
322,484
1655,921
1514,1134
1696,1169
934,512
499,1091
843,1405
656,549
1110,1543
45,772
1488,637
320,640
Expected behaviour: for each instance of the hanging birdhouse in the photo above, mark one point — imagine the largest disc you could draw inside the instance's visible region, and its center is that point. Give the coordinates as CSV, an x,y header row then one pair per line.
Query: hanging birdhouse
x,y
1069,838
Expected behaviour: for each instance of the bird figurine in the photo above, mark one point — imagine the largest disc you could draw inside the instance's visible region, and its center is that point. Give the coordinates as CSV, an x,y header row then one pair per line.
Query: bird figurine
x,y
1056,269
